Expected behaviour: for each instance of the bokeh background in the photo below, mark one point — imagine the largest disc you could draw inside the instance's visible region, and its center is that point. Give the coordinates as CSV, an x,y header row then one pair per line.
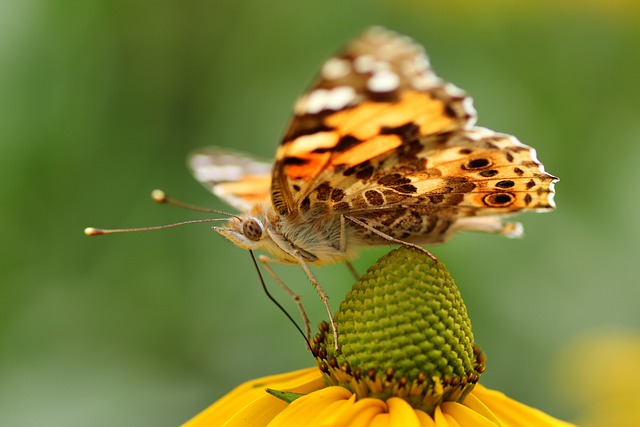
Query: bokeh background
x,y
101,101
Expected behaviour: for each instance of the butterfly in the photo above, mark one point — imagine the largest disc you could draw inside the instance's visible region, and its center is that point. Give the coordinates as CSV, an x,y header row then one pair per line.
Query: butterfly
x,y
379,151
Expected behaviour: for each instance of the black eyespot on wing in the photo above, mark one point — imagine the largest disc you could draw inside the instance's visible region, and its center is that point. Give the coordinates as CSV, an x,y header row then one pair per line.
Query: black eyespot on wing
x,y
477,164
505,184
499,200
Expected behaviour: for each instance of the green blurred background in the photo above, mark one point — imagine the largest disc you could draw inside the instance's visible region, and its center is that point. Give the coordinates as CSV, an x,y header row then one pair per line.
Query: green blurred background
x,y
102,100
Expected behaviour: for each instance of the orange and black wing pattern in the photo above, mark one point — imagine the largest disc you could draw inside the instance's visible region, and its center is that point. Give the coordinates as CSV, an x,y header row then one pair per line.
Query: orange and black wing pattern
x,y
380,83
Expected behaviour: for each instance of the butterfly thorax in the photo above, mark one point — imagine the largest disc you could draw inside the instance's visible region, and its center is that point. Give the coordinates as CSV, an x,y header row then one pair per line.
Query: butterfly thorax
x,y
323,234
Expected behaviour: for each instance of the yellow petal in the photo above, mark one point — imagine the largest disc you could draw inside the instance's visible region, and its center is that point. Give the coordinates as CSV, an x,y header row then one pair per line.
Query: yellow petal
x,y
251,398
381,420
514,414
402,414
439,418
466,416
451,422
311,410
326,417
258,413
425,419
335,417
472,402
361,413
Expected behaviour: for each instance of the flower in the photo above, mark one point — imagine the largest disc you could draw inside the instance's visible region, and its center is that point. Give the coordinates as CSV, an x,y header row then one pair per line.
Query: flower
x,y
251,405
406,357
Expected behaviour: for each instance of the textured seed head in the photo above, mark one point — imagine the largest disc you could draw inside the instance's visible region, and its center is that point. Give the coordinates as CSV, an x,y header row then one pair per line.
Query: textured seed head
x,y
403,331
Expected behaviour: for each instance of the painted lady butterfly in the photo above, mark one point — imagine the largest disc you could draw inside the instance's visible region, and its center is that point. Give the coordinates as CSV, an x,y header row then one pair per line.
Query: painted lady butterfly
x,y
380,151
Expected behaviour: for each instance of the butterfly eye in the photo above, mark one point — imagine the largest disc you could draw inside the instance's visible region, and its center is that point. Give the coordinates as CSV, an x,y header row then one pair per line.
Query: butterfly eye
x,y
252,229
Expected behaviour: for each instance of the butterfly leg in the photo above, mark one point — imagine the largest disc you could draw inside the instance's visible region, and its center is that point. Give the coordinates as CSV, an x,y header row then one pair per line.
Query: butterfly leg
x,y
343,247
390,238
265,260
352,269
323,295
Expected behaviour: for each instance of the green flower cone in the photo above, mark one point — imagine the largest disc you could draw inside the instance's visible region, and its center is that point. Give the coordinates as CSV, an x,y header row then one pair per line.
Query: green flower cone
x,y
404,332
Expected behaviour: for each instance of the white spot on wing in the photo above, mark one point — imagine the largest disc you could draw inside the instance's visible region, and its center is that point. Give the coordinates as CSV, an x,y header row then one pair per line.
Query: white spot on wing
x,y
383,81
323,99
335,68
340,97
315,101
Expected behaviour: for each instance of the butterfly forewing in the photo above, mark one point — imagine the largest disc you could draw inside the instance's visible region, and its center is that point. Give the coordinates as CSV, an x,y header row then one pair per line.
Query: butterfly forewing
x,y
364,96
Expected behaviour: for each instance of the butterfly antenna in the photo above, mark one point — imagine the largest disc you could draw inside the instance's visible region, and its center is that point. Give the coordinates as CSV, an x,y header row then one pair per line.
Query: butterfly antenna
x,y
266,291
92,231
160,196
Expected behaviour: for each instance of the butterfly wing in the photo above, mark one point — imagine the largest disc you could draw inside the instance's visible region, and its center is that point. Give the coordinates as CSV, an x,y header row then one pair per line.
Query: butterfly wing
x,y
236,178
380,137
379,83
424,193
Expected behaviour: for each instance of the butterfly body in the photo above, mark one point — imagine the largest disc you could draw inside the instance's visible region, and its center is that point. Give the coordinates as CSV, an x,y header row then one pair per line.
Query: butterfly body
x,y
320,241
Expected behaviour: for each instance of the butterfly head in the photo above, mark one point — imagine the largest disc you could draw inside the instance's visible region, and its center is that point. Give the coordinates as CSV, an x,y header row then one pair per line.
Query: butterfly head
x,y
253,229
247,232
